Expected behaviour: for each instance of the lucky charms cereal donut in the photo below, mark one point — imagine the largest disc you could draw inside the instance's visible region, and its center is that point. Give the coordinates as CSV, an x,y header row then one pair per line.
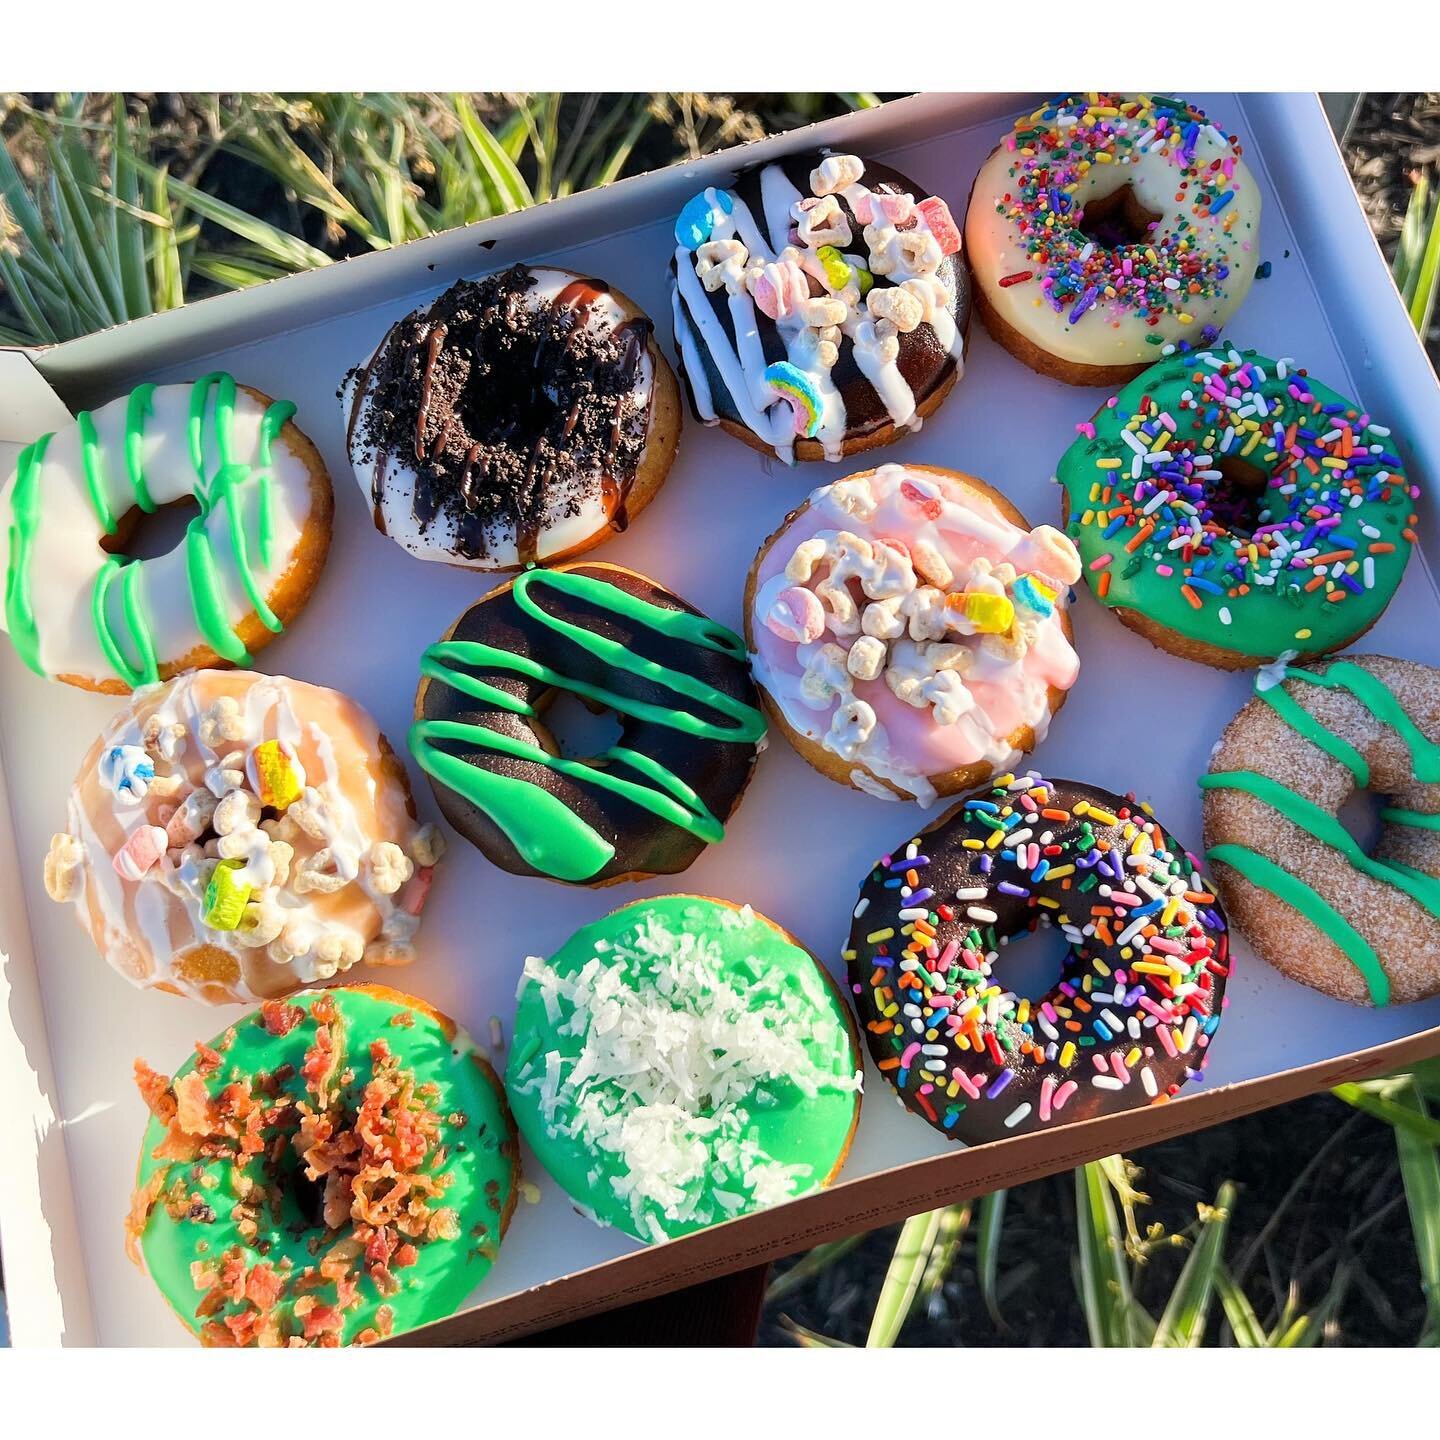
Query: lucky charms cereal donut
x,y
79,610
1232,509
1139,997
519,418
1362,924
235,836
908,630
820,307
1105,226
329,1171
690,727
681,1062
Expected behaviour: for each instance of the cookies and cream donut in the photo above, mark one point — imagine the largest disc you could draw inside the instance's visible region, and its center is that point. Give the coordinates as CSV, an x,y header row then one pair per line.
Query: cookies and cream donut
x,y
1361,924
234,837
519,418
1142,985
1231,508
681,1062
908,630
1104,226
690,726
820,305
79,610
329,1171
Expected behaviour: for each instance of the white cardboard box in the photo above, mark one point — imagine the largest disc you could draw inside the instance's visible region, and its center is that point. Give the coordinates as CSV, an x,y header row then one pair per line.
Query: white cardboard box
x,y
70,1120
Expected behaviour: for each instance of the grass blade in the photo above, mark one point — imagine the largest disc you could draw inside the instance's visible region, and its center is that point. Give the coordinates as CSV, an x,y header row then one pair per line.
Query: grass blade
x,y
821,1258
902,1278
130,228
1420,1173
168,284
1427,279
1245,1325
510,191
812,1339
954,1222
1423,1126
987,1251
1104,1276
1182,1324
1411,248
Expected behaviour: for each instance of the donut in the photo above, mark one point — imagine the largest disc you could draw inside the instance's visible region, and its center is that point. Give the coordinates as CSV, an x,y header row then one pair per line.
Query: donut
x,y
1230,508
519,418
680,1062
1360,923
328,1171
234,837
820,309
1143,980
908,630
1105,226
690,725
78,609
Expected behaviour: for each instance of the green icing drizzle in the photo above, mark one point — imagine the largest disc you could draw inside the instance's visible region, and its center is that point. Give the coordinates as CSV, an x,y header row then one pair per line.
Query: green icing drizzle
x,y
1378,699
550,836
1265,873
1299,719
140,404
1420,819
24,517
94,466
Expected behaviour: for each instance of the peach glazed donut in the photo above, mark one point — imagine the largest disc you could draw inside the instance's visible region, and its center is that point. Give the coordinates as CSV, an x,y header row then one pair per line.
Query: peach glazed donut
x,y
1142,987
1360,924
1232,509
327,1172
79,610
908,630
234,837
1105,226
519,418
820,308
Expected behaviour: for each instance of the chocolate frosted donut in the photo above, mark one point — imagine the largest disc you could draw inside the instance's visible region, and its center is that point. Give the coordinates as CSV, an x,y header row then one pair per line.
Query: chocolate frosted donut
x,y
676,681
519,418
1139,995
827,282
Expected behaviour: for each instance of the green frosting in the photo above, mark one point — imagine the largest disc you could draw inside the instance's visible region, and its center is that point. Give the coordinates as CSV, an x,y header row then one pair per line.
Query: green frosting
x,y
195,1219
1272,475
546,832
723,1077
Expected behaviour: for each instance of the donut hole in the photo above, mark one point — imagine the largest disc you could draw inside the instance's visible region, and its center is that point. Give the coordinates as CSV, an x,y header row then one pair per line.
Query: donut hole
x,y
1033,962
575,728
1237,499
1118,219
1360,815
148,534
307,1196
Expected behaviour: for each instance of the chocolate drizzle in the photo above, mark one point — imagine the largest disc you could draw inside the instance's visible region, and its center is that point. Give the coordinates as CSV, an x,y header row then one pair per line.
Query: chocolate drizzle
x,y
513,409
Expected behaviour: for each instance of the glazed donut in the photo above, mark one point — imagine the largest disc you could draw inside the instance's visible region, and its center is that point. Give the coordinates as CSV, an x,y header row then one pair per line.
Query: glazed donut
x,y
908,630
519,418
79,610
1138,1000
1361,925
681,1062
234,837
690,728
1106,226
1232,509
819,308
327,1172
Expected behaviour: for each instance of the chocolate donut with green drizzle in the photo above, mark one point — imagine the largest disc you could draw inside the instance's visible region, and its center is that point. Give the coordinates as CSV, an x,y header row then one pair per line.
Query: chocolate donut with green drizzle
x,y
1359,923
1142,985
678,683
1231,509
78,609
331,1170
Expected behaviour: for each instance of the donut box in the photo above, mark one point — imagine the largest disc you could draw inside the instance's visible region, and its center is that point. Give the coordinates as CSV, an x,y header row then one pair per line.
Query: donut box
x,y
800,846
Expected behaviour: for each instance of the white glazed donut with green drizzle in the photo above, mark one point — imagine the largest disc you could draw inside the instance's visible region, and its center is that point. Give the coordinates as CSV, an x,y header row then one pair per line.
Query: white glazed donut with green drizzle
x,y
79,610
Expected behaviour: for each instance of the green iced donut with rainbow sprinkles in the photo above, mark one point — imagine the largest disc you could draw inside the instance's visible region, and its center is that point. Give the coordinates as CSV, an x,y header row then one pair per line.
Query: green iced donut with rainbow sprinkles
x,y
333,1169
1232,509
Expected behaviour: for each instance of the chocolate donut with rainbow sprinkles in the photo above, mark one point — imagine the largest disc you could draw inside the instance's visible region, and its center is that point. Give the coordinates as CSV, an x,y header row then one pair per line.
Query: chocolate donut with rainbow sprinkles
x,y
1107,226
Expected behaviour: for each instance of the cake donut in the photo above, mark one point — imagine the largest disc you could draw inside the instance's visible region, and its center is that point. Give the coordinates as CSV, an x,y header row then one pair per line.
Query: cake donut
x,y
820,308
908,630
690,726
516,419
78,609
681,1062
1231,508
234,837
328,1171
1140,994
1361,924
1105,226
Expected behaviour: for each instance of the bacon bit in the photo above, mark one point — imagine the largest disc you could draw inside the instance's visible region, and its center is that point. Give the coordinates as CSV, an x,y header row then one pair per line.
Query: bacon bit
x,y
142,1202
155,1091
264,1286
194,1113
406,1256
207,1061
278,1018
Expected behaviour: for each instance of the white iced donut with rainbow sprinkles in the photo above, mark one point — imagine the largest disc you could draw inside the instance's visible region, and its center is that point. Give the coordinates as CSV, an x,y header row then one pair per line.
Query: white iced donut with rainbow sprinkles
x,y
908,630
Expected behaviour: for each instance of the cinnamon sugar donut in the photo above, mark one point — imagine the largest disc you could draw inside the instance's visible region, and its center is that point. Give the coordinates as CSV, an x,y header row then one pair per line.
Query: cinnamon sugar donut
x,y
235,837
1363,926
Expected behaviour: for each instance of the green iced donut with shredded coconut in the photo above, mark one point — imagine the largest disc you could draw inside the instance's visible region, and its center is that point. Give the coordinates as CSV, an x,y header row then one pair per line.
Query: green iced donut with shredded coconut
x,y
680,1062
